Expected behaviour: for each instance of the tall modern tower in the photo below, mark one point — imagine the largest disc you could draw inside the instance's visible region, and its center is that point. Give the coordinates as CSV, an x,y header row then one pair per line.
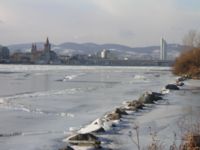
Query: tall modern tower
x,y
163,49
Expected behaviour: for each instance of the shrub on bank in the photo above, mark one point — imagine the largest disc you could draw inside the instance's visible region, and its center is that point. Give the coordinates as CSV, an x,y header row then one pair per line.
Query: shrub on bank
x,y
188,63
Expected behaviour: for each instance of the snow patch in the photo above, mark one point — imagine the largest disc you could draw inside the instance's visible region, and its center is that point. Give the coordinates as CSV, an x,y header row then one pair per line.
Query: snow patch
x,y
69,77
1,101
94,126
139,77
72,129
165,91
63,114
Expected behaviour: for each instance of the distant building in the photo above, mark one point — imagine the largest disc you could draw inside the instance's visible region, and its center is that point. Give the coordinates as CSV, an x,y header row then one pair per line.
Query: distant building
x,y
163,49
20,57
4,53
104,54
43,56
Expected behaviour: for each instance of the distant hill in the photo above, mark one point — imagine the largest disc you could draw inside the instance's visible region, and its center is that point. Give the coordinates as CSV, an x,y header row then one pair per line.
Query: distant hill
x,y
70,48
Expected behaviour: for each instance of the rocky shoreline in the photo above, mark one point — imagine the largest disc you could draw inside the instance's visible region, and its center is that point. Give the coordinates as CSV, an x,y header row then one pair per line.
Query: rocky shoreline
x,y
92,135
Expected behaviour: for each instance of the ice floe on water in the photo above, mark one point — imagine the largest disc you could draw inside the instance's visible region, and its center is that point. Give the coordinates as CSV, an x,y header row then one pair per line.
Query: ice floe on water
x,y
63,114
71,77
1,101
43,94
139,77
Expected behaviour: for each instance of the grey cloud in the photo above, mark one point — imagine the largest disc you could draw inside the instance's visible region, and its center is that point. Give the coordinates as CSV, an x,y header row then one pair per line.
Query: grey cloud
x,y
130,22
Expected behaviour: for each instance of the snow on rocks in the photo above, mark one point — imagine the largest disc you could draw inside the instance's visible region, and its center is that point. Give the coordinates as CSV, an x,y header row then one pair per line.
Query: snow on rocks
x,y
85,136
73,129
133,105
150,97
95,126
87,139
113,116
179,83
120,111
165,91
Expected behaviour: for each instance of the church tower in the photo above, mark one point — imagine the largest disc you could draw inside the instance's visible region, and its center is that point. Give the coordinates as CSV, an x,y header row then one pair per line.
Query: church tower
x,y
47,51
47,46
33,53
33,48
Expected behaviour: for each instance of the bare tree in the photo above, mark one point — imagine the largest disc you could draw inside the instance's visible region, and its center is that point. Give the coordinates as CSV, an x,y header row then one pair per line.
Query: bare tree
x,y
192,38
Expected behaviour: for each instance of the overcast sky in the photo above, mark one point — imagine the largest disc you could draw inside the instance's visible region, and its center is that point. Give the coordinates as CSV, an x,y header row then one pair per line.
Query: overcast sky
x,y
129,22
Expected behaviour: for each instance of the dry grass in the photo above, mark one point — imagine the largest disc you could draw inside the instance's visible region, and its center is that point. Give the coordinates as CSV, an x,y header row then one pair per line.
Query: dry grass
x,y
137,140
191,138
156,144
192,142
190,135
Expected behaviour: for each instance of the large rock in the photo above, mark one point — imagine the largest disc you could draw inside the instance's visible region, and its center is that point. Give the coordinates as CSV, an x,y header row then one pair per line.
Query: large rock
x,y
183,78
180,79
172,87
134,105
66,148
120,111
84,140
146,98
113,116
150,97
179,83
100,130
83,137
157,96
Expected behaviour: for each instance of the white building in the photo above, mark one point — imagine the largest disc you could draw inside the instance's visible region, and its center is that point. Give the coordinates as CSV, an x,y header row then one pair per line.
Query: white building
x,y
163,49
104,54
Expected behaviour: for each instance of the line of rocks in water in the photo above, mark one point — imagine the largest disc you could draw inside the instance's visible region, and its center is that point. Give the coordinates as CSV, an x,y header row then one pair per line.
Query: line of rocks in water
x,y
87,136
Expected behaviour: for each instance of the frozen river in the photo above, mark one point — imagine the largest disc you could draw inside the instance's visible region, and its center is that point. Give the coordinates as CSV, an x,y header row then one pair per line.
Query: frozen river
x,y
40,104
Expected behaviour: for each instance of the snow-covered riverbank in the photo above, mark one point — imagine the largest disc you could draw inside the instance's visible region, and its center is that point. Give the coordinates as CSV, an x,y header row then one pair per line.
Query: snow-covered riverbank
x,y
162,122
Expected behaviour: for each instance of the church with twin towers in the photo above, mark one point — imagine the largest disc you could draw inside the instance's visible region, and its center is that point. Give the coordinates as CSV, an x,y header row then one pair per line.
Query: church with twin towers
x,y
45,55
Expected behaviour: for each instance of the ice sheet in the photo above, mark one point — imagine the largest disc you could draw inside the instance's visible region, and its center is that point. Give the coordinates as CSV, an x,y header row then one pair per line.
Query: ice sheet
x,y
35,102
